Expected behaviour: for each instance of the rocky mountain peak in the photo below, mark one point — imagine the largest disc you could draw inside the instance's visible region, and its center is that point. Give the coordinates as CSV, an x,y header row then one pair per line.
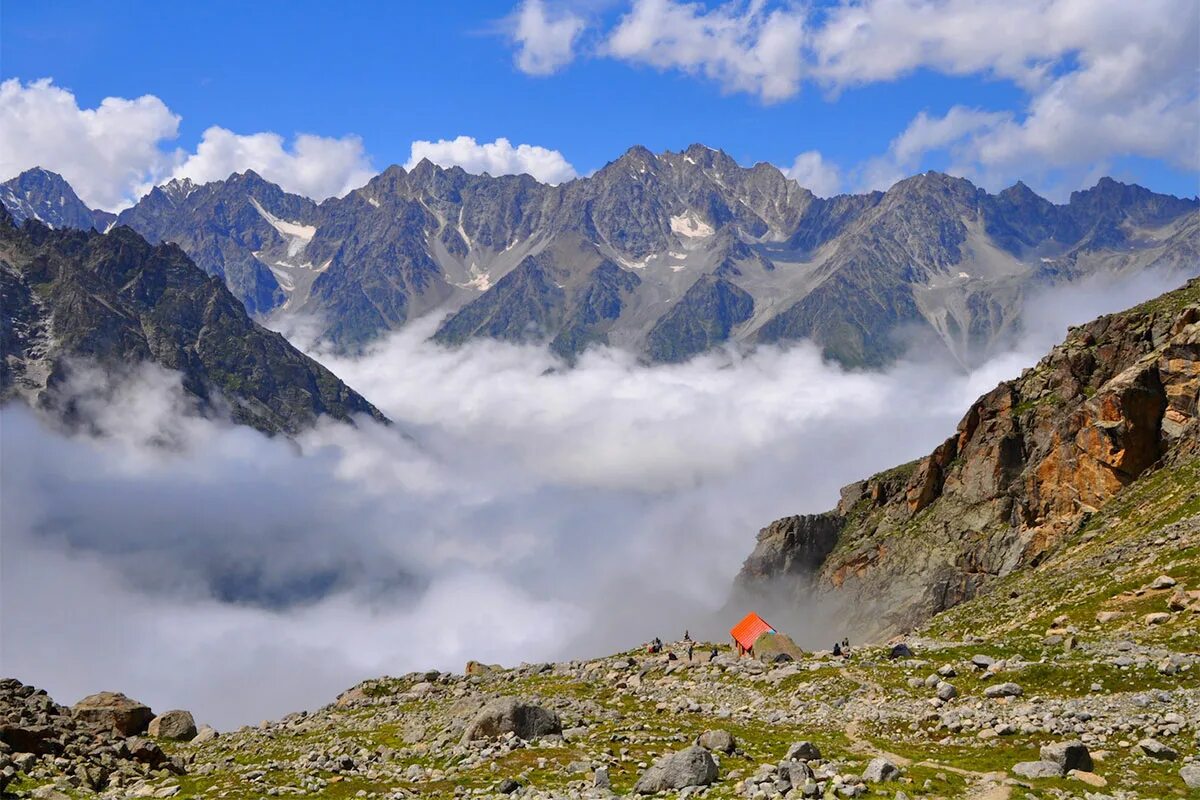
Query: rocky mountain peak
x,y
45,196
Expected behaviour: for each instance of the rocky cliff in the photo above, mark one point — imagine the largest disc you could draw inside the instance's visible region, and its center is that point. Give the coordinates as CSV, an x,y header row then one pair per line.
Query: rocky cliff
x,y
1030,463
116,301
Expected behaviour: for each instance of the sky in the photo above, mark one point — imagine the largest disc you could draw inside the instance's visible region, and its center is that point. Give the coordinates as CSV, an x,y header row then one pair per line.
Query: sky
x,y
843,96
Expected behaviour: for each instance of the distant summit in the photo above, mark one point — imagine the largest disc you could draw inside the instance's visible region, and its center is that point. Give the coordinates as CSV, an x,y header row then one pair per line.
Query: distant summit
x,y
45,196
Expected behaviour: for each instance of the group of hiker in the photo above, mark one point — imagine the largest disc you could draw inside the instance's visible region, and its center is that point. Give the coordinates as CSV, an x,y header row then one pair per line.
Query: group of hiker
x,y
656,646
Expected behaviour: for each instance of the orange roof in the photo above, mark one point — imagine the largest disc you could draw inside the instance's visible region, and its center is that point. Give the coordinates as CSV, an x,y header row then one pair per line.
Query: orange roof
x,y
749,629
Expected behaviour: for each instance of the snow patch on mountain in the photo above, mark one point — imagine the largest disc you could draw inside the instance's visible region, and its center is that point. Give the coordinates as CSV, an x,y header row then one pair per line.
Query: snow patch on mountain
x,y
690,227
297,235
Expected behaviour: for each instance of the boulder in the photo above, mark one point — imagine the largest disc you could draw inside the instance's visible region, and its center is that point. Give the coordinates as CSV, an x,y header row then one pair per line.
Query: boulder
x,y
205,734
1156,618
1162,582
1037,769
946,691
1003,690
880,770
981,661
1156,749
511,715
479,668
693,766
770,646
803,751
796,773
38,739
718,740
146,751
176,725
1108,616
507,786
601,779
113,711
1191,776
1068,756
900,650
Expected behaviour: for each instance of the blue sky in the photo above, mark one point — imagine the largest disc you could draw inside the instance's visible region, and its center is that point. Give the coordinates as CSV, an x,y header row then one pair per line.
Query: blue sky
x,y
395,73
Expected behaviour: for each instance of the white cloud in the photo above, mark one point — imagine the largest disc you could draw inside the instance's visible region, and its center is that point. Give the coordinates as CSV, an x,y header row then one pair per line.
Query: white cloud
x,y
103,152
495,158
545,42
744,47
314,166
114,153
813,172
1105,80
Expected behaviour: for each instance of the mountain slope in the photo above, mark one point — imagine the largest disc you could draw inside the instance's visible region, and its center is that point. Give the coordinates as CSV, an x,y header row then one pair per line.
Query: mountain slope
x,y
116,300
45,196
245,230
1032,461
932,260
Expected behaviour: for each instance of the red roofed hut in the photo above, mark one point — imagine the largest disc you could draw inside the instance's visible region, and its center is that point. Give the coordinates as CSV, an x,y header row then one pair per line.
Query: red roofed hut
x,y
746,633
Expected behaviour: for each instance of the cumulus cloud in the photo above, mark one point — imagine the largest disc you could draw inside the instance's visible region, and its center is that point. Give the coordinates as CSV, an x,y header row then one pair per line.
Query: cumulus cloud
x,y
517,512
545,41
813,172
1101,80
495,158
743,47
103,152
314,166
114,153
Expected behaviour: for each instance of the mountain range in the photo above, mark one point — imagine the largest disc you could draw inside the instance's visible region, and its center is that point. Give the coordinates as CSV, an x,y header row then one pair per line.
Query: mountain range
x,y
667,255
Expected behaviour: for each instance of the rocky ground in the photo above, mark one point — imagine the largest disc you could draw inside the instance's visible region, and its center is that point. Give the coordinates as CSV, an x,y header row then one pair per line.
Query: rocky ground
x,y
1101,701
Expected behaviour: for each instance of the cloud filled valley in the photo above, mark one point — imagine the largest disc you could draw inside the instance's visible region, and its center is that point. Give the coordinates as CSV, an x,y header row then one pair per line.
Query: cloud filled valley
x,y
516,511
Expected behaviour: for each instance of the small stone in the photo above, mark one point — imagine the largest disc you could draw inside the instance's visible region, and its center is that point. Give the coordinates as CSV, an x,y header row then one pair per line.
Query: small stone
x,y
1156,749
718,740
1037,769
803,751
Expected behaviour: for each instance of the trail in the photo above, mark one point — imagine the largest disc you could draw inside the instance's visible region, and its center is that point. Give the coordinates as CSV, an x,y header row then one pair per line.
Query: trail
x,y
985,785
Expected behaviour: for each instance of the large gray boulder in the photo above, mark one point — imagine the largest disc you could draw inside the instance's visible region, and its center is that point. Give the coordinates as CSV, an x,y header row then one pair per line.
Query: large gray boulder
x,y
693,766
1068,756
511,715
880,770
1191,776
113,711
177,725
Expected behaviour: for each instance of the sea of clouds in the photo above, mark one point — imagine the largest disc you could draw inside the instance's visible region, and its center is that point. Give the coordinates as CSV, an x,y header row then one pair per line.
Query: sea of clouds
x,y
516,511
